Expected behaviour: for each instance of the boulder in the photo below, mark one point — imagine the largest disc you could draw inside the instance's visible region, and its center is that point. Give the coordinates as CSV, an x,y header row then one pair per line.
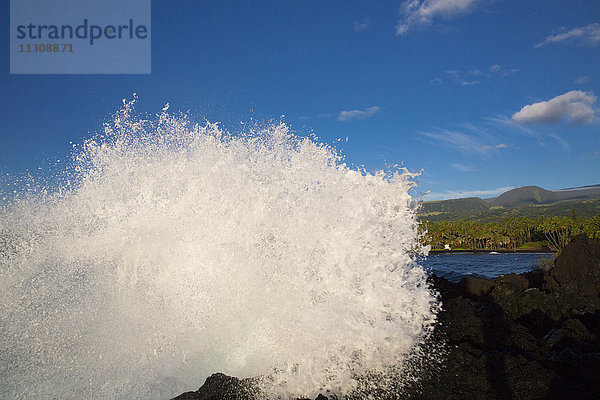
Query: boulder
x,y
221,387
576,274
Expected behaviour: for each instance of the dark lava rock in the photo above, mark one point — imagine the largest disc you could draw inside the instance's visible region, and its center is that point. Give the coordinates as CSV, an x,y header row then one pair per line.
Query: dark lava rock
x,y
475,287
576,274
529,336
221,387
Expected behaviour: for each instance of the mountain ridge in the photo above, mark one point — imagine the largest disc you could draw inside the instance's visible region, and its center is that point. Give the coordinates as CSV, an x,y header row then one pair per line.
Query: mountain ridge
x,y
522,201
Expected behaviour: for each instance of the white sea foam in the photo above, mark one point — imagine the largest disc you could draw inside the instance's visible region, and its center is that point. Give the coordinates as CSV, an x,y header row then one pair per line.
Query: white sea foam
x,y
174,250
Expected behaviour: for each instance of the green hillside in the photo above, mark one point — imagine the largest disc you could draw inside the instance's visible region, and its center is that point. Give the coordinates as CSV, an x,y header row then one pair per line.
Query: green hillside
x,y
455,208
523,196
528,201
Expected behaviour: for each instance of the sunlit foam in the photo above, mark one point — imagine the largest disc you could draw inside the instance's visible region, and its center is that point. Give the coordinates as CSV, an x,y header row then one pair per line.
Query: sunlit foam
x,y
174,250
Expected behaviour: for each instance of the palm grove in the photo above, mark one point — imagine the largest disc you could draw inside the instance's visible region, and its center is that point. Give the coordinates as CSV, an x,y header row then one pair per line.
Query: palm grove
x,y
510,234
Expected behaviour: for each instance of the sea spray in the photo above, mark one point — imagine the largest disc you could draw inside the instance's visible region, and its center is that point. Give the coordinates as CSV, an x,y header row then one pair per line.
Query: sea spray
x,y
173,250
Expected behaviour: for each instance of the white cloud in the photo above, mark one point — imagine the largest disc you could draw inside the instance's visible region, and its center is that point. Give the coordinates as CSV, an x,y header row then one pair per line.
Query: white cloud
x,y
562,142
476,129
467,79
587,35
418,14
497,70
308,117
504,121
361,26
463,168
450,194
574,106
498,146
358,114
461,141
580,80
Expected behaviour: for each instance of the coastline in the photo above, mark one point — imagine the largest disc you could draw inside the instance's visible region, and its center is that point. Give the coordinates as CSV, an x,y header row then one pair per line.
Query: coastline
x,y
504,251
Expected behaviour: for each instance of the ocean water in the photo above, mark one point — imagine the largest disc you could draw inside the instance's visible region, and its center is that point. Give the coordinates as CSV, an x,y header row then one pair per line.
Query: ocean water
x,y
455,266
172,250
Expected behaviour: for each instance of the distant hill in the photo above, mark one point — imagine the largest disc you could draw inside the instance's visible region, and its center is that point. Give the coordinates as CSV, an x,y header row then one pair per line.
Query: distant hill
x,y
524,201
524,196
461,206
580,193
528,195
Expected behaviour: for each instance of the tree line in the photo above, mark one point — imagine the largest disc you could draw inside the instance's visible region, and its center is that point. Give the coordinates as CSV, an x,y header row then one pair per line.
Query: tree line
x,y
509,234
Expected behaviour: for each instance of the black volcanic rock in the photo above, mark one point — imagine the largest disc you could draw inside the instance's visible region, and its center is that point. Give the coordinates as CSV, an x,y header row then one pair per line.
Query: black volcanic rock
x,y
221,387
529,336
576,274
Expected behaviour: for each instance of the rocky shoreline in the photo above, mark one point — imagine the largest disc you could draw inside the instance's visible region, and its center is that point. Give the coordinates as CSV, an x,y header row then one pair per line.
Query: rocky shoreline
x,y
529,336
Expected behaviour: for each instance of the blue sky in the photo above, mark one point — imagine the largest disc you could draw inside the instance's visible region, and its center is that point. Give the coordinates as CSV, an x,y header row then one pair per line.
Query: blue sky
x,y
482,95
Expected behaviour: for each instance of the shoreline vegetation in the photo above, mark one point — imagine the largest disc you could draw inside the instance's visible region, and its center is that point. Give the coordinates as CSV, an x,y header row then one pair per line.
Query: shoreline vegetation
x,y
513,234
523,219
484,251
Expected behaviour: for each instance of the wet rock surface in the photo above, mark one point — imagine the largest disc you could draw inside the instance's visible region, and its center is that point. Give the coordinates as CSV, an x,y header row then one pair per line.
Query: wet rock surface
x,y
529,336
